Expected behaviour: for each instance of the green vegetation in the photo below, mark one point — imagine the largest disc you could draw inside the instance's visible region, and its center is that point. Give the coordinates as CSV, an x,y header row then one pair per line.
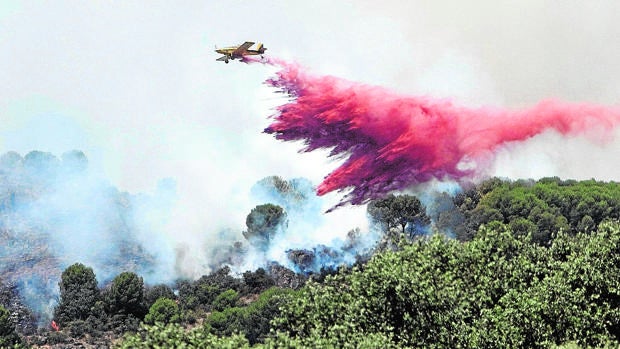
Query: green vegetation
x,y
398,212
252,321
164,310
533,265
538,208
153,293
8,337
262,223
78,294
126,295
124,302
175,336
226,299
498,289
399,218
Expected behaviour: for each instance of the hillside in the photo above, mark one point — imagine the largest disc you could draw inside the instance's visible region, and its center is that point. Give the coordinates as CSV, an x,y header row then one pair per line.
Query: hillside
x,y
525,264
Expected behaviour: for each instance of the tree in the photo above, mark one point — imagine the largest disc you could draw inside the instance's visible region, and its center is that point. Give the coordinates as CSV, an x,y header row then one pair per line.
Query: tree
x,y
126,295
152,294
78,294
41,163
202,292
398,212
164,311
263,223
257,281
480,215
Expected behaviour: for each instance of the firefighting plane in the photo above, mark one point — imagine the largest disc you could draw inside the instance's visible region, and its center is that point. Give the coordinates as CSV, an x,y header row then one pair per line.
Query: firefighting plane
x,y
233,52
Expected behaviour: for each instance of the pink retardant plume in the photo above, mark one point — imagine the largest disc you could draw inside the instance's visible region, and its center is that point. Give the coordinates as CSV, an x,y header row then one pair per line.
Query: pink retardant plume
x,y
392,142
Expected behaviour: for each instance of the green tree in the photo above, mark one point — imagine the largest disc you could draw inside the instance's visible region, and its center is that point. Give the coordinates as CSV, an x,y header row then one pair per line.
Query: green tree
x,y
257,281
398,212
78,294
225,322
475,218
201,293
263,223
152,294
126,295
164,311
523,226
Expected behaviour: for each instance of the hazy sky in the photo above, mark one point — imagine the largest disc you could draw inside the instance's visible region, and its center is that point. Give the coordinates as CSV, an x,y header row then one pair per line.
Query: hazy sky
x,y
136,86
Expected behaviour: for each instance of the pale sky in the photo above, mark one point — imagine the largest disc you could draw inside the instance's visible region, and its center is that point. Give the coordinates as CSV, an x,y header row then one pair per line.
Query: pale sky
x,y
135,84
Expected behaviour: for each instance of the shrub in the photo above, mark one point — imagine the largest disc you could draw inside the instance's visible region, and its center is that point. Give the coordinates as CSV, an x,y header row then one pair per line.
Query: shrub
x,y
164,311
175,336
226,299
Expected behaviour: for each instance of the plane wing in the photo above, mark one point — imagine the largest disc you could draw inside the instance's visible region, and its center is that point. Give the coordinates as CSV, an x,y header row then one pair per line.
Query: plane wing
x,y
223,58
242,48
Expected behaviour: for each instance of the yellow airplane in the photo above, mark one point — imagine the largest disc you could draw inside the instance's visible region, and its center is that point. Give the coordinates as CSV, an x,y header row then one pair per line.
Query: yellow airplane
x,y
233,52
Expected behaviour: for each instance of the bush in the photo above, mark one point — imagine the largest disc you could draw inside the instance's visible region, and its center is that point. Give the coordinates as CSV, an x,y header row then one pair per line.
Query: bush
x,y
225,322
252,321
256,322
201,293
257,281
164,311
78,328
175,336
226,299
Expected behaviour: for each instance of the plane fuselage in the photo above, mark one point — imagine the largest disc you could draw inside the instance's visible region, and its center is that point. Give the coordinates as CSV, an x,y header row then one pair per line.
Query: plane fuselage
x,y
234,52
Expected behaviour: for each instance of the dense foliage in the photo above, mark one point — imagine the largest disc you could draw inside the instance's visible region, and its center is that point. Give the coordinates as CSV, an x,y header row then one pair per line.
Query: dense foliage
x,y
78,294
8,336
538,208
253,320
533,265
164,310
263,223
497,290
403,211
175,336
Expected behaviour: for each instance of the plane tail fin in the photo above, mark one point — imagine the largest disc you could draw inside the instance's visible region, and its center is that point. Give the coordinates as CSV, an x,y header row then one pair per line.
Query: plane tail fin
x,y
260,48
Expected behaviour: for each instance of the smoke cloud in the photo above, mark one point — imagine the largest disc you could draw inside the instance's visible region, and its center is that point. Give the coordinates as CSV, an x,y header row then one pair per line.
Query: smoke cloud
x,y
393,142
58,211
